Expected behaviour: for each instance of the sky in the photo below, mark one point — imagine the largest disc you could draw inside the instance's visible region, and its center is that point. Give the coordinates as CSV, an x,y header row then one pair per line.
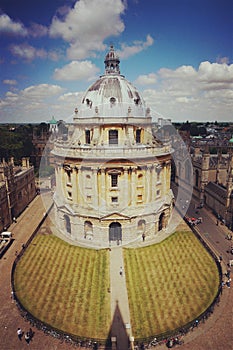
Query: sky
x,y
178,54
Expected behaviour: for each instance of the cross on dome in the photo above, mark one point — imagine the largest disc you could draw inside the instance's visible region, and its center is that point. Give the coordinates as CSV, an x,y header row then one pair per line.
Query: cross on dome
x,y
112,62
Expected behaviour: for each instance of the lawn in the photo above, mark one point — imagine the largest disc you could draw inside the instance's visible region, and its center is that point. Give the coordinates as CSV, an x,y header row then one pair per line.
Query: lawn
x,y
65,286
169,284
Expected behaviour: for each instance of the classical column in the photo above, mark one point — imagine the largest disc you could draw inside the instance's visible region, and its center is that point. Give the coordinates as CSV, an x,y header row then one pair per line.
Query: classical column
x,y
133,186
103,188
95,187
125,187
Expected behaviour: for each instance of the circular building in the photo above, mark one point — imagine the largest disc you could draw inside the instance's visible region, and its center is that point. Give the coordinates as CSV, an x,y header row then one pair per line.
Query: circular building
x,y
112,174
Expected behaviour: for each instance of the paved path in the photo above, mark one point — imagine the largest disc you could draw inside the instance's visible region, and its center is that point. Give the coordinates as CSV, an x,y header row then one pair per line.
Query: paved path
x,y
215,334
119,300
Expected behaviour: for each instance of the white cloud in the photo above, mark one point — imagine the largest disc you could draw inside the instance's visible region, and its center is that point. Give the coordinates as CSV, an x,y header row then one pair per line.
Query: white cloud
x,y
9,26
30,53
76,70
32,104
37,30
138,46
148,79
27,52
87,25
215,72
180,94
10,82
186,93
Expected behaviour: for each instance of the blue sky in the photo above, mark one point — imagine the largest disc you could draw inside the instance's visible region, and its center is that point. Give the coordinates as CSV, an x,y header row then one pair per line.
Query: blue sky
x,y
178,53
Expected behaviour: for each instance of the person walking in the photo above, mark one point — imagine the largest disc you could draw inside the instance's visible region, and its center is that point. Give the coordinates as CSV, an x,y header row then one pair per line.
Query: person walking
x,y
27,338
19,333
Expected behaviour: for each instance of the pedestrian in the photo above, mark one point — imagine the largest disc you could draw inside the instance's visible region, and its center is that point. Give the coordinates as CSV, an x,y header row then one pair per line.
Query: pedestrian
x,y
19,333
121,271
27,338
143,236
31,333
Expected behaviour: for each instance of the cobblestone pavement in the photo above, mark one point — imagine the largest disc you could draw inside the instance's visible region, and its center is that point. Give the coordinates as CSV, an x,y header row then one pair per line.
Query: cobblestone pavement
x,y
215,334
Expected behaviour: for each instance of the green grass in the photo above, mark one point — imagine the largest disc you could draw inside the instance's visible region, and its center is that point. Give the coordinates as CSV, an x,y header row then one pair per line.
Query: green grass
x,y
169,284
65,286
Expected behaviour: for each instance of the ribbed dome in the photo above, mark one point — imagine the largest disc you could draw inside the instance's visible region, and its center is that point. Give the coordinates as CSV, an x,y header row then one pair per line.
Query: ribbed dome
x,y
112,95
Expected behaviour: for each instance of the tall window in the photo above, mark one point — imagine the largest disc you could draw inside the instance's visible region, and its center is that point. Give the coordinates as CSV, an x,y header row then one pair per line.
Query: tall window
x,y
138,136
87,137
114,180
113,137
67,223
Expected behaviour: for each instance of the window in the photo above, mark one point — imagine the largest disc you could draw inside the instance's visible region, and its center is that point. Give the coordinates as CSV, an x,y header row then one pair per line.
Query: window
x,y
88,198
67,223
113,137
158,193
138,136
69,195
114,199
87,137
114,180
140,178
139,198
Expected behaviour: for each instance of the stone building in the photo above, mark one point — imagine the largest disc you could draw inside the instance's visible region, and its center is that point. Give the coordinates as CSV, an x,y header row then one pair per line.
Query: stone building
x,y
112,174
212,176
17,189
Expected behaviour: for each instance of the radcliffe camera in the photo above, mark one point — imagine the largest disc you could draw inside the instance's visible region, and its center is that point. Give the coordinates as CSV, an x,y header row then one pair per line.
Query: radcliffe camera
x,y
116,175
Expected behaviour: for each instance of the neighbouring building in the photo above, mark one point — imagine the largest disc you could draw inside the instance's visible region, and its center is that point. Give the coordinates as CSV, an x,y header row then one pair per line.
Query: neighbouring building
x,y
112,174
17,189
212,175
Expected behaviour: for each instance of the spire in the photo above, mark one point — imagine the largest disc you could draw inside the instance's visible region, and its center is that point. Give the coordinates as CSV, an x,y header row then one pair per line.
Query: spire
x,y
112,62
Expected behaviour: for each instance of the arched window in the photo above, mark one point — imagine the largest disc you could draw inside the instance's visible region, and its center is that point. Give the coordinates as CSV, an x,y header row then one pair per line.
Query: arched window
x,y
161,221
141,226
88,230
67,223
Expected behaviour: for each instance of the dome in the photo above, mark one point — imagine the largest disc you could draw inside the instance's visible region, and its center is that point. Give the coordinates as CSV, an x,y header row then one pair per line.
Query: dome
x,y
112,95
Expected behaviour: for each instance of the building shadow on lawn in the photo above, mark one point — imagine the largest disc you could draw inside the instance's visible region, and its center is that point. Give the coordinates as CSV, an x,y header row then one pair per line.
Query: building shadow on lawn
x,y
118,336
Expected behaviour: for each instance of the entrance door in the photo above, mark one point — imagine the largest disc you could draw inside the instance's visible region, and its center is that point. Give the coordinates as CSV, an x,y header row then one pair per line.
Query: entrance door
x,y
115,232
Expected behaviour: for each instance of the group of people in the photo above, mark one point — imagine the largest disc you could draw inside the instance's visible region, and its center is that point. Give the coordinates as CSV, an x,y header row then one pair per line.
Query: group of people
x,y
27,336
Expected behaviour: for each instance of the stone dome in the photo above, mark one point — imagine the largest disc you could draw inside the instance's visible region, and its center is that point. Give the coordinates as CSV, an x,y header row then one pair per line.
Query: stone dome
x,y
112,95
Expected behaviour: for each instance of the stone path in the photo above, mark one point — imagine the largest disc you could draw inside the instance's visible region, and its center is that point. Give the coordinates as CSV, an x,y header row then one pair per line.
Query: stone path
x,y
119,300
215,334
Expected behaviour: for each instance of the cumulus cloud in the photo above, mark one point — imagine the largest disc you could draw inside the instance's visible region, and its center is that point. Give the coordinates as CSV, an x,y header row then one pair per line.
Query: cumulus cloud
x,y
198,94
37,30
76,70
9,26
148,79
29,53
215,72
87,25
34,103
138,46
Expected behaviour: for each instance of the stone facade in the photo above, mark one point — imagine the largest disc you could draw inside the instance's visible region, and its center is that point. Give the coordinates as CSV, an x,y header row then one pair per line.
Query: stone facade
x,y
112,174
212,177
17,189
